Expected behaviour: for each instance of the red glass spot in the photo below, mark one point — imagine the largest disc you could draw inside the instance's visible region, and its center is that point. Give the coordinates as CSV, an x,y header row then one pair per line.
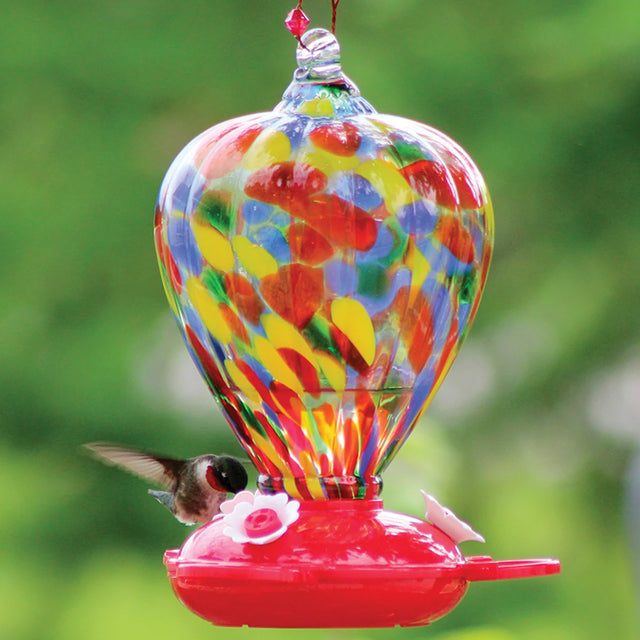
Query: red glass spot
x,y
296,22
278,445
450,344
211,136
295,292
244,296
348,351
239,428
174,273
227,153
351,445
308,245
343,224
340,138
262,522
288,405
285,184
210,368
447,185
452,234
255,381
234,323
416,327
305,371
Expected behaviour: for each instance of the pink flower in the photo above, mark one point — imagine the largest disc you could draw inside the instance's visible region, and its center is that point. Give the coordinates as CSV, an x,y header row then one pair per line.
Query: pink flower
x,y
448,522
256,518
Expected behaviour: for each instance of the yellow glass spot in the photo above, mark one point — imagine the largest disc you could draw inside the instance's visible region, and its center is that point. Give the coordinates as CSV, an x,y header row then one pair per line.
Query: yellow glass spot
x,y
208,310
282,334
329,163
325,429
354,321
267,448
334,372
389,183
290,486
241,381
420,269
311,475
385,128
274,363
487,210
256,260
317,107
215,248
268,148
304,458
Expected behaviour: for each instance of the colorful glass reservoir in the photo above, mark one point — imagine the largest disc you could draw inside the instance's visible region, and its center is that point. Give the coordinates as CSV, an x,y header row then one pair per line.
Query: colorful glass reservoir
x,y
324,262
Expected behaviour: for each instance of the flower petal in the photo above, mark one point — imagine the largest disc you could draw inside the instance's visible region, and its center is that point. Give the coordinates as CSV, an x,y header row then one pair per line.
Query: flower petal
x,y
443,518
242,496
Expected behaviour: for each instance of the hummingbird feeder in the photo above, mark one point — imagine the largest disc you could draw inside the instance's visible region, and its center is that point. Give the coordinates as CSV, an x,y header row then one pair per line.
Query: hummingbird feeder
x,y
324,263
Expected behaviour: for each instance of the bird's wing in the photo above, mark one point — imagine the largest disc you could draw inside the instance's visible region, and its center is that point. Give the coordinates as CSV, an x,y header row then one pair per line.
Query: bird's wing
x,y
159,470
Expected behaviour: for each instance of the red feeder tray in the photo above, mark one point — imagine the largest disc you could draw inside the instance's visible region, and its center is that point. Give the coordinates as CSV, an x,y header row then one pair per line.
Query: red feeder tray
x,y
343,563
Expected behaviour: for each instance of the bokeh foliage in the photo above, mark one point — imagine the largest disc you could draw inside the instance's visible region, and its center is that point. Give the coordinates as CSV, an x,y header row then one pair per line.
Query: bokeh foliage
x,y
97,98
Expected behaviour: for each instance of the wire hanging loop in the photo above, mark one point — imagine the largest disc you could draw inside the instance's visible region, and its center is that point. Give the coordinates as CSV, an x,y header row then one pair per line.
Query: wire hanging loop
x,y
334,13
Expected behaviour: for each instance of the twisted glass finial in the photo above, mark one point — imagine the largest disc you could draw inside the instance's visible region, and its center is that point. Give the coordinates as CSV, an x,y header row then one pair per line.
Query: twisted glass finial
x,y
318,56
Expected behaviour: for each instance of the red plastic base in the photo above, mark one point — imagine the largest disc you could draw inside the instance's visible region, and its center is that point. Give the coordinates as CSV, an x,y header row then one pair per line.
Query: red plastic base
x,y
341,564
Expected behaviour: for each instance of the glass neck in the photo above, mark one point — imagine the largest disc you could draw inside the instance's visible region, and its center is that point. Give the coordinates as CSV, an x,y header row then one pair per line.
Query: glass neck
x,y
322,488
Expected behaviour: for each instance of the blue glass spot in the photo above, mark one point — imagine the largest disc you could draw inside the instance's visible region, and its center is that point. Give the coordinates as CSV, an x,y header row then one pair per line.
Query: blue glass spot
x,y
281,219
418,218
435,256
421,390
271,239
354,188
265,377
216,347
294,130
382,247
463,315
441,313
273,417
192,319
367,454
368,148
186,190
183,246
256,212
341,278
453,266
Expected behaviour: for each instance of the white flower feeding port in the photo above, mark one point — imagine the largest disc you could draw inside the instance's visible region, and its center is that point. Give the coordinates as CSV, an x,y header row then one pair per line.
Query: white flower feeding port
x,y
255,518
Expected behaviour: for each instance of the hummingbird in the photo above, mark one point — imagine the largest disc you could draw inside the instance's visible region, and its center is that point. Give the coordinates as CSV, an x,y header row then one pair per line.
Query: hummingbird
x,y
194,488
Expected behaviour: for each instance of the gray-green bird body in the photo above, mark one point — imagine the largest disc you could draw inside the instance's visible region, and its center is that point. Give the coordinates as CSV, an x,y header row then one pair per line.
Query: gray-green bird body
x,y
193,489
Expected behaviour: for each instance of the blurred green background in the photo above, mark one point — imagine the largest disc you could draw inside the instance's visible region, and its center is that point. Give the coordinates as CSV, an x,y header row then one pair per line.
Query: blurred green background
x,y
533,437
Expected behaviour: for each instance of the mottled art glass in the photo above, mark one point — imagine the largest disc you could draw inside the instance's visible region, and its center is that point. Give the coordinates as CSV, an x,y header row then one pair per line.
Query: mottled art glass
x,y
324,263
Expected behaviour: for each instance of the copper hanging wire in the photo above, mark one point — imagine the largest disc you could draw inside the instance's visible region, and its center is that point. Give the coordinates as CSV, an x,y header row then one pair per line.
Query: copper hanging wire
x,y
334,12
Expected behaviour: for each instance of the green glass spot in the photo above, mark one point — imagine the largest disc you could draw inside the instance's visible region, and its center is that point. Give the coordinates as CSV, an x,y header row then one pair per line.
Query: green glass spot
x,y
249,418
215,208
400,242
406,153
214,281
318,334
373,280
468,288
